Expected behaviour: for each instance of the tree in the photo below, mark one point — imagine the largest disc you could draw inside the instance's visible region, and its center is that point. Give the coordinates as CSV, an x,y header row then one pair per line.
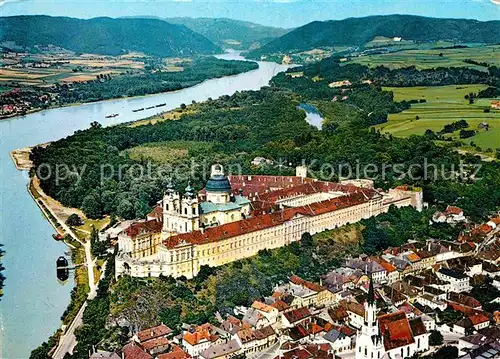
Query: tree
x,y
447,352
92,206
375,239
306,240
436,338
97,246
112,219
74,220
125,209
171,317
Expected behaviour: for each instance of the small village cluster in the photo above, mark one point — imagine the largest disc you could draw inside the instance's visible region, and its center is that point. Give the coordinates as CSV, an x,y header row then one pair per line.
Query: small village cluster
x,y
385,306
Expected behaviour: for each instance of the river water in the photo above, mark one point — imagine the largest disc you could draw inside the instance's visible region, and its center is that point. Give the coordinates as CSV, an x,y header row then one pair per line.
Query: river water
x,y
34,300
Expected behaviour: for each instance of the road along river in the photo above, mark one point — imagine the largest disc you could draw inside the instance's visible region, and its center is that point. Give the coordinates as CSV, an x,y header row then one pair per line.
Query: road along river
x,y
33,300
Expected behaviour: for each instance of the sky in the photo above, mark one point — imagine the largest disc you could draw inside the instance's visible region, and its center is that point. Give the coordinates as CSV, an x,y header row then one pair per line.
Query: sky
x,y
279,13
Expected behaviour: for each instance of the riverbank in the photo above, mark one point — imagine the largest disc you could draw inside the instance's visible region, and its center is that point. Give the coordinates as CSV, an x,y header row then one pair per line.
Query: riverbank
x,y
33,298
137,86
84,282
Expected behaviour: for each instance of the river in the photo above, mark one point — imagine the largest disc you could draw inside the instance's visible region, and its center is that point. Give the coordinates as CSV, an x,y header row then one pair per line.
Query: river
x,y
33,300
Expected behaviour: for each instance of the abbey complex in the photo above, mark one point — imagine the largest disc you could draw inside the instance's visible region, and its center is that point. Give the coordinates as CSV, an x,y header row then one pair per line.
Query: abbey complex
x,y
234,217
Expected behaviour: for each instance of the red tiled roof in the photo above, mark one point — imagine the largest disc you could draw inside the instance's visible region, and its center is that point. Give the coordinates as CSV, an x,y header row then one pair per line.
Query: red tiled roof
x,y
175,353
338,314
297,314
453,210
396,330
495,220
345,330
464,299
262,307
201,332
156,213
478,318
413,257
310,285
264,221
280,305
357,308
133,351
386,265
484,228
137,228
154,343
155,332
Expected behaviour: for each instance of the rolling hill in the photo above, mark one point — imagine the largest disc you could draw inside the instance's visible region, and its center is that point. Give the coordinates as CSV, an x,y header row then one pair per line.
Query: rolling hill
x,y
229,33
359,31
104,35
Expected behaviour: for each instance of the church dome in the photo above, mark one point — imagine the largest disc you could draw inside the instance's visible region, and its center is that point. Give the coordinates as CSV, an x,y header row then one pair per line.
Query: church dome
x,y
218,182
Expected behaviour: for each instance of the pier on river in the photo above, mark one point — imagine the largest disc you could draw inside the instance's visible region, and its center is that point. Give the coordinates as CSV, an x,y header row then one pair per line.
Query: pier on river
x,y
33,299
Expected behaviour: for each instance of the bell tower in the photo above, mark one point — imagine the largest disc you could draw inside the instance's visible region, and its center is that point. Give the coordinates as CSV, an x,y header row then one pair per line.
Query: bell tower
x,y
189,209
369,342
180,212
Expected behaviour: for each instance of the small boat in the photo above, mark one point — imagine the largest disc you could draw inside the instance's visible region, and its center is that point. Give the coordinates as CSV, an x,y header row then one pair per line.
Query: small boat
x,y
61,262
57,237
112,115
150,107
138,109
161,105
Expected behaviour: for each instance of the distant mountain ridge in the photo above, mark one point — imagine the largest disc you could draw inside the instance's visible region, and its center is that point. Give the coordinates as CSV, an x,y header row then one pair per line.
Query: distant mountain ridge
x,y
222,30
359,31
105,35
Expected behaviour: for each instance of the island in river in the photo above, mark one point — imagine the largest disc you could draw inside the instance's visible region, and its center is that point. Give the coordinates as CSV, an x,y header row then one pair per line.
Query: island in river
x,y
30,251
55,81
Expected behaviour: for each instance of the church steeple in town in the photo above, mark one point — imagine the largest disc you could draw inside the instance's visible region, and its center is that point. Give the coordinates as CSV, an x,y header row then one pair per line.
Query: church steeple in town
x,y
369,343
371,293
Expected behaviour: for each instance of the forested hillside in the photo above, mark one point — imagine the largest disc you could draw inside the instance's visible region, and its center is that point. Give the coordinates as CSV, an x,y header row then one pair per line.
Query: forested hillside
x,y
359,31
267,123
229,33
104,35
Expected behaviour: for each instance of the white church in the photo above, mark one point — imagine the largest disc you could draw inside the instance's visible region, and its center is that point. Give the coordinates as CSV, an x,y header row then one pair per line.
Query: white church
x,y
390,336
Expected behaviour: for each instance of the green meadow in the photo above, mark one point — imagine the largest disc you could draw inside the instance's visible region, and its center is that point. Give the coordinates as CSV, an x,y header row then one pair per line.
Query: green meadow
x,y
444,105
432,58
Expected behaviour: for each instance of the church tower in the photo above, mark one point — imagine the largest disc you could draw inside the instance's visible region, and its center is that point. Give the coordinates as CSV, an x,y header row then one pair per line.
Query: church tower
x,y
180,212
369,342
189,209
218,187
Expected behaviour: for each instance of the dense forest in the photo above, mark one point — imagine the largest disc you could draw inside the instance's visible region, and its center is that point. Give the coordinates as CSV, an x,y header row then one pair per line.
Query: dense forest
x,y
196,71
266,123
233,130
104,35
359,31
106,87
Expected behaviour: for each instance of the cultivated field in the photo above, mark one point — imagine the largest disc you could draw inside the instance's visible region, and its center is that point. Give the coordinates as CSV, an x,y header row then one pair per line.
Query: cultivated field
x,y
445,104
167,152
50,68
425,59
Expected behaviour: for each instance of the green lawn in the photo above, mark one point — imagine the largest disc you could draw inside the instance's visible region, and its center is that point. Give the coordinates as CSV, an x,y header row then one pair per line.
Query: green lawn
x,y
427,58
169,151
445,104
